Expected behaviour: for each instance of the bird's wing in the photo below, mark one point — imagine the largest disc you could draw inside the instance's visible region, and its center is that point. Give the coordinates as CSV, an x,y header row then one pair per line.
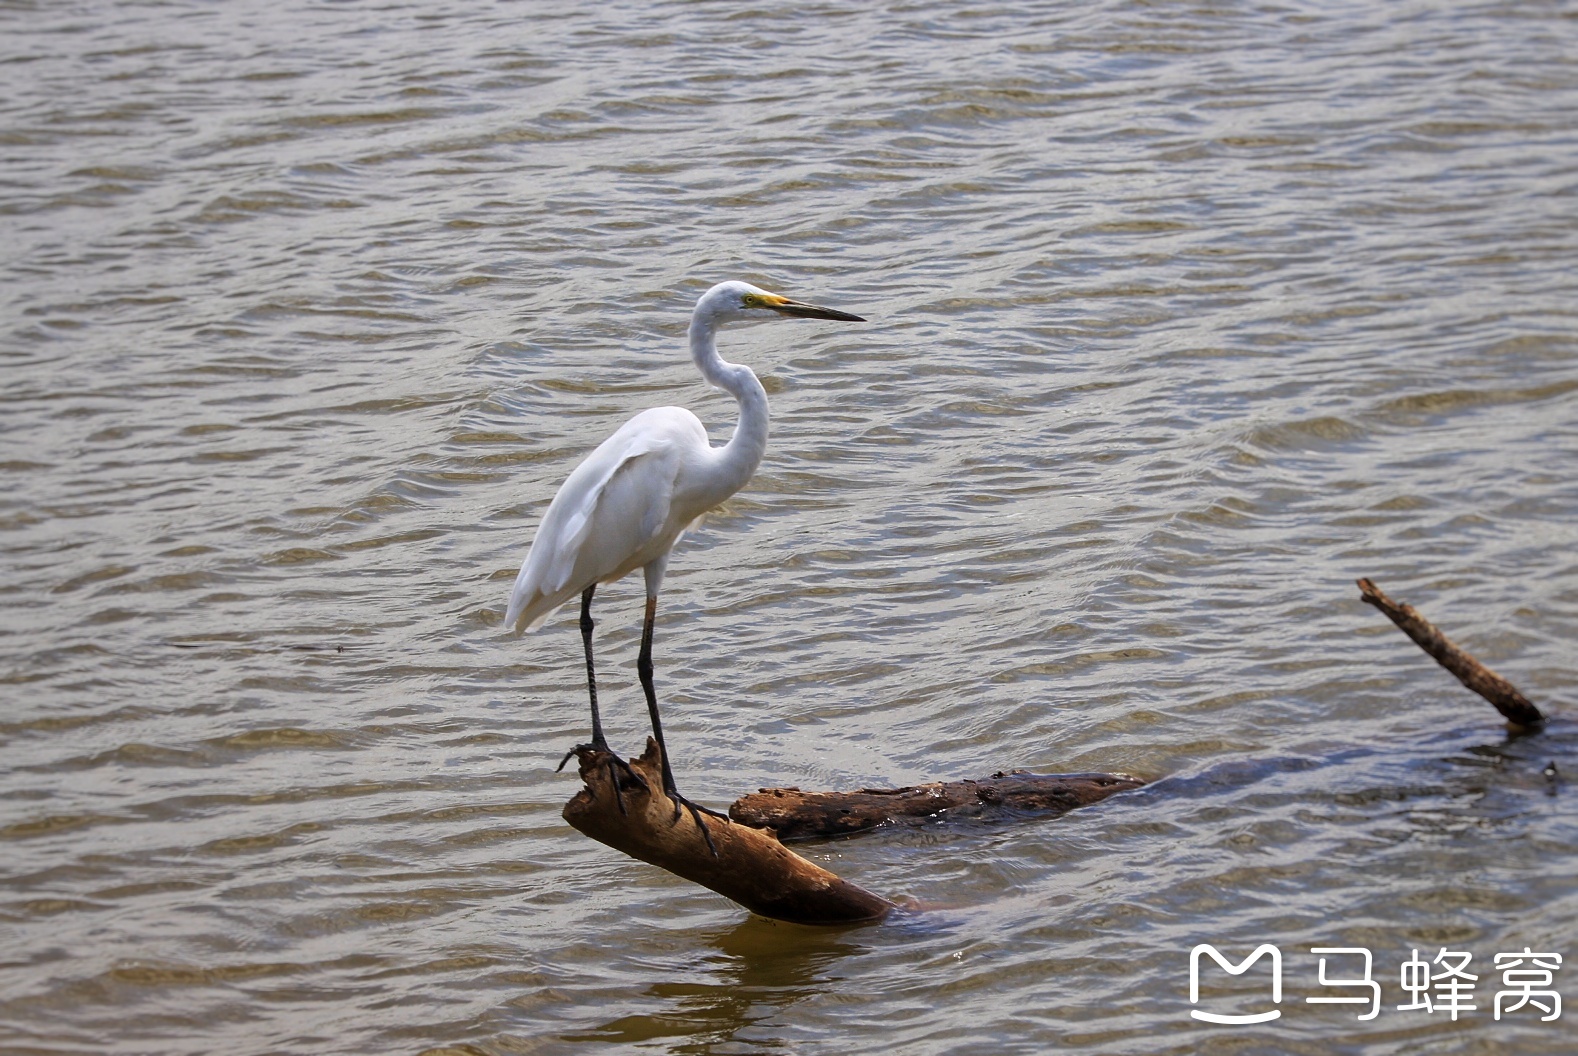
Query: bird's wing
x,y
608,511
634,507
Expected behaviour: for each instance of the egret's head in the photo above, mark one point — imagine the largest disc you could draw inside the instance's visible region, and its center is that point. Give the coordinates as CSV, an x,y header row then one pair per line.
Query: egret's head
x,y
729,301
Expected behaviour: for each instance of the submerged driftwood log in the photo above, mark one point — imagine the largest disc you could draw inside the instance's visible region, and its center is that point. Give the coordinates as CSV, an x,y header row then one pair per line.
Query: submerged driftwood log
x,y
745,860
1514,706
742,863
797,815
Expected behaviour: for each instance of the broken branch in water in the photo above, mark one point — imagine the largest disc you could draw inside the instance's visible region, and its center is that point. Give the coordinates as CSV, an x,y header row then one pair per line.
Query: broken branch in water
x,y
745,864
797,815
1514,706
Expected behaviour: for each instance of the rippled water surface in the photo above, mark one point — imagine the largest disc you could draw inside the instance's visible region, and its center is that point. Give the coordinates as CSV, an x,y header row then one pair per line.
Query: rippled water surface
x,y
1182,317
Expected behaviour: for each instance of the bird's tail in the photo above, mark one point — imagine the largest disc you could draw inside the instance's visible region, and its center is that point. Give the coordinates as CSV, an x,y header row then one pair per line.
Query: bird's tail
x,y
529,609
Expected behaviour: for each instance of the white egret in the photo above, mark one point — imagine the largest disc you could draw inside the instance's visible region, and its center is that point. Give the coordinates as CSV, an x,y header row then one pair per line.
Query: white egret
x,y
632,499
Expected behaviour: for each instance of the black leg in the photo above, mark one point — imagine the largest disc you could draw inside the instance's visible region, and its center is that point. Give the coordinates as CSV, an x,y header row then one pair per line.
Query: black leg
x,y
598,740
644,670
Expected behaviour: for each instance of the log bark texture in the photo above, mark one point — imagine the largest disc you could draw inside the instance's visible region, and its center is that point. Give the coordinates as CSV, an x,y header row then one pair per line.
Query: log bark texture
x,y
797,815
1514,706
751,866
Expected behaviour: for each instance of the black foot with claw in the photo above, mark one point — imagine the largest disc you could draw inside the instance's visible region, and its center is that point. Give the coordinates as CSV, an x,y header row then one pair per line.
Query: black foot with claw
x,y
696,811
614,765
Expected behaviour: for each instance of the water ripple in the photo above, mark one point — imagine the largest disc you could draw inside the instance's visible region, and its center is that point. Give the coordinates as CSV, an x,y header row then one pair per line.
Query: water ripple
x,y
1182,318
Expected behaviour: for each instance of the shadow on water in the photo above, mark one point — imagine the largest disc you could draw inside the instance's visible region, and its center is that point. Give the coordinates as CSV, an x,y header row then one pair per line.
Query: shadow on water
x,y
1543,759
1547,755
1370,801
753,971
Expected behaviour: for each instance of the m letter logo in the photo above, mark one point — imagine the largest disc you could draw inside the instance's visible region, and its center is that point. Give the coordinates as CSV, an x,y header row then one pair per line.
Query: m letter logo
x,y
1260,951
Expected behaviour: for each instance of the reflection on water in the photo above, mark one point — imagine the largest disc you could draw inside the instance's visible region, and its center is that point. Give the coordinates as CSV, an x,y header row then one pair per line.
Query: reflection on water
x,y
757,969
1183,318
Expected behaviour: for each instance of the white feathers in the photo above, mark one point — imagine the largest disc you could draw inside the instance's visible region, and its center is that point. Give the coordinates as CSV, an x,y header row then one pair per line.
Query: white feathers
x,y
615,513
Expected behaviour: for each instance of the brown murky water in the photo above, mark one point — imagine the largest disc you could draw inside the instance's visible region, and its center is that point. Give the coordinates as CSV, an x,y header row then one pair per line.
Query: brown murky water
x,y
1183,316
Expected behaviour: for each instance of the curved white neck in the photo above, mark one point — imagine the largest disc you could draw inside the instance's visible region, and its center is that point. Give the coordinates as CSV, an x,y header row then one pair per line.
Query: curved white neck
x,y
737,459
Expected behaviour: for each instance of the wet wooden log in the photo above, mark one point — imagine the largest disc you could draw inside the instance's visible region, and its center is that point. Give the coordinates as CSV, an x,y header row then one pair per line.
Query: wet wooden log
x,y
1514,706
750,865
797,815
